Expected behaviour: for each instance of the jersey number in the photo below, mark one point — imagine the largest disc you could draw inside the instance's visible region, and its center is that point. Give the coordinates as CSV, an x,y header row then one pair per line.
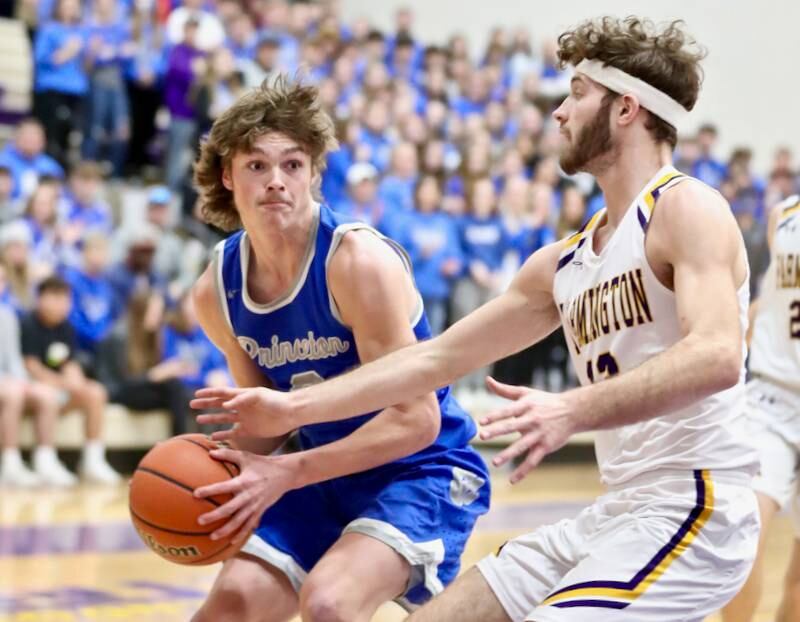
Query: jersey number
x,y
794,320
606,364
305,379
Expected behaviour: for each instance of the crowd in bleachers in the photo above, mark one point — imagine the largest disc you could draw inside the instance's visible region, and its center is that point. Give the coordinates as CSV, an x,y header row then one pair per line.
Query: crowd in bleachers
x,y
452,154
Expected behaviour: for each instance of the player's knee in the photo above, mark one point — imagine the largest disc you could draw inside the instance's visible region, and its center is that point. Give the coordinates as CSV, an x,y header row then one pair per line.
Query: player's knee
x,y
324,603
226,603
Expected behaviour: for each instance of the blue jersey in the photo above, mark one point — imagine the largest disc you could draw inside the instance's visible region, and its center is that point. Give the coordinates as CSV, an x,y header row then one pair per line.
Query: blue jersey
x,y
300,339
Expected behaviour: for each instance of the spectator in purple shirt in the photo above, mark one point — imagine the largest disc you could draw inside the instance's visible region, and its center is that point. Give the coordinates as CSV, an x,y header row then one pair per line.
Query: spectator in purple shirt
x,y
184,64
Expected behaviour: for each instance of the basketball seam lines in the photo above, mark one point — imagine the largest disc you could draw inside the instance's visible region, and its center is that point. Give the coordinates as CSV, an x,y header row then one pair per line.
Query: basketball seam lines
x,y
222,462
167,529
177,483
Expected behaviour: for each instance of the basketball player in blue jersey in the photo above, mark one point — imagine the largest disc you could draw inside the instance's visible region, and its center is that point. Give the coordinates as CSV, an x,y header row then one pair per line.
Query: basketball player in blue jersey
x,y
652,295
375,507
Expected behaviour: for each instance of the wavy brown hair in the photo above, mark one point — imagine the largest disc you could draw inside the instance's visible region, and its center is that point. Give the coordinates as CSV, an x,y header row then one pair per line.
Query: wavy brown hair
x,y
281,105
666,58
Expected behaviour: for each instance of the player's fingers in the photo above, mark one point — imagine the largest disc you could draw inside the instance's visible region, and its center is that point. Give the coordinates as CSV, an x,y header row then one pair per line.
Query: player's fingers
x,y
227,455
231,486
515,409
233,525
225,435
535,456
508,391
203,403
517,448
247,529
218,418
221,392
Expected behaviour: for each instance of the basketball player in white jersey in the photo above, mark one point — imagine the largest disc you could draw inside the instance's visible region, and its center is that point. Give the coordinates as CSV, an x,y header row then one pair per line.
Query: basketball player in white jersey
x,y
653,298
773,414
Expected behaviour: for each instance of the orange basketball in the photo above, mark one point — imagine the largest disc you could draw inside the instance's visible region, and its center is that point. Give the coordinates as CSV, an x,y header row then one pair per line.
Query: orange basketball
x,y
163,508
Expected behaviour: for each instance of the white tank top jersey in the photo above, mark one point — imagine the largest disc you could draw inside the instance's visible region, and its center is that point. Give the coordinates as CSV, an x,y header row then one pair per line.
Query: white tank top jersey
x,y
616,315
775,349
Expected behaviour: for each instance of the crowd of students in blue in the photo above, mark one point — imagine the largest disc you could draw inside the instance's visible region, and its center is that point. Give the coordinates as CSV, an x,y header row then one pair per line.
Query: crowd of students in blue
x,y
452,155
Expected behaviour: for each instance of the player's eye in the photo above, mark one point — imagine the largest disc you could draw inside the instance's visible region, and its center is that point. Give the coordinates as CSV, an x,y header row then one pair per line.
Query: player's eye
x,y
255,165
294,164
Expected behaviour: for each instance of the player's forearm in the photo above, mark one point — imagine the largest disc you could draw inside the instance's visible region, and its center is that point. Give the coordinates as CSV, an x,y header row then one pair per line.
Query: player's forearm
x,y
393,434
688,372
399,376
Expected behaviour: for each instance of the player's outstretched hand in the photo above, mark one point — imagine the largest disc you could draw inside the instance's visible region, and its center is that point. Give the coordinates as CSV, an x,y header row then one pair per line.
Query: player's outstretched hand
x,y
261,482
543,420
258,411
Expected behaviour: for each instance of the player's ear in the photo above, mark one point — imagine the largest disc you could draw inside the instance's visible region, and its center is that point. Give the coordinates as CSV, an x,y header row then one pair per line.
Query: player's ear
x,y
227,180
628,108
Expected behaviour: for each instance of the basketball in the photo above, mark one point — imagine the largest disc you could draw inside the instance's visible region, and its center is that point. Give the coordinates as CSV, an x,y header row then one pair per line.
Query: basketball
x,y
165,511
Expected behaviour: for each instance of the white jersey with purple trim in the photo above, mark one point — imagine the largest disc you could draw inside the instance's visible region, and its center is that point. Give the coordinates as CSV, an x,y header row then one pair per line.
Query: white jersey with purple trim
x,y
775,350
616,316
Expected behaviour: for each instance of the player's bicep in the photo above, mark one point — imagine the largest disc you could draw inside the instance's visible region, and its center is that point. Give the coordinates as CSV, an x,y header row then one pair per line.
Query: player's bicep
x,y
210,316
374,294
702,243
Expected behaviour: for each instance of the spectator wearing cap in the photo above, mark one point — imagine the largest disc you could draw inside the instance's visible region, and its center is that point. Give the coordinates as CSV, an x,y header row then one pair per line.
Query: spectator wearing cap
x,y
24,157
136,272
49,348
362,202
178,259
110,49
431,239
265,64
210,33
60,77
94,304
184,65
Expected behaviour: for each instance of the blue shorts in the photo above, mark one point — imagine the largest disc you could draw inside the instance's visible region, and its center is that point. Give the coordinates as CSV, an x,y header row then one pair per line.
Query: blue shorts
x,y
425,512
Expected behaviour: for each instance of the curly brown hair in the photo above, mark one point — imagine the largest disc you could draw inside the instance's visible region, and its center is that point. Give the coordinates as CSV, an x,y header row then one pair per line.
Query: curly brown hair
x,y
280,105
666,58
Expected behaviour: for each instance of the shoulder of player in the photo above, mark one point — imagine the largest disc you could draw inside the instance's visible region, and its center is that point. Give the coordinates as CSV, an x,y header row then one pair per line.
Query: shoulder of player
x,y
690,208
363,256
207,306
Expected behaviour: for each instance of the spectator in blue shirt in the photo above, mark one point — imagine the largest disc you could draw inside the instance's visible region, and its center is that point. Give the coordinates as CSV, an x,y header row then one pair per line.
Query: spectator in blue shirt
x,y
25,158
242,37
60,79
362,202
431,239
109,50
145,71
707,168
83,208
396,189
42,221
136,273
94,308
374,134
484,243
185,347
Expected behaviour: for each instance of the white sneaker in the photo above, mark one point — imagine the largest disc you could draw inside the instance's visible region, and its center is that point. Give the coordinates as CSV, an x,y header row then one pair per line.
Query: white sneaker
x,y
99,472
17,475
52,472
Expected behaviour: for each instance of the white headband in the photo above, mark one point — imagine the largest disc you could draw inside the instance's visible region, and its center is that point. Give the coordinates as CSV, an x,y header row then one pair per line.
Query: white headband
x,y
657,102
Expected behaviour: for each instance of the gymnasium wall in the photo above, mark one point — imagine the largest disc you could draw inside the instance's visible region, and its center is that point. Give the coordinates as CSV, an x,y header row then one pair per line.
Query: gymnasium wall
x,y
752,86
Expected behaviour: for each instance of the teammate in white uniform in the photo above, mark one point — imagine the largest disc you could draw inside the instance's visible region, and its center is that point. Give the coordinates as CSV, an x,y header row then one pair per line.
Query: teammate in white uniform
x,y
652,295
773,414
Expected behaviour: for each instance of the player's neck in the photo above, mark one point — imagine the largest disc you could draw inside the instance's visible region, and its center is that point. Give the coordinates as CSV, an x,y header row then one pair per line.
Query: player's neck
x,y
277,255
622,181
